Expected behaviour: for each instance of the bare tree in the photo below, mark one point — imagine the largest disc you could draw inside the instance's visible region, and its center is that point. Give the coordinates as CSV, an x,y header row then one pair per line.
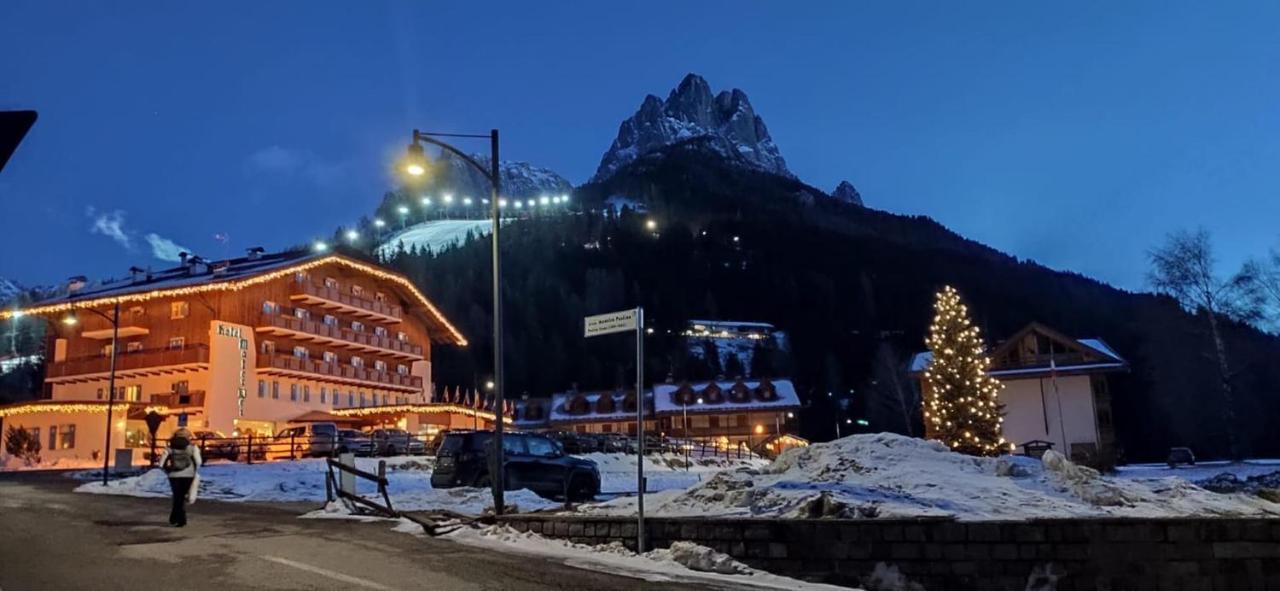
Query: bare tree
x,y
1268,273
1183,268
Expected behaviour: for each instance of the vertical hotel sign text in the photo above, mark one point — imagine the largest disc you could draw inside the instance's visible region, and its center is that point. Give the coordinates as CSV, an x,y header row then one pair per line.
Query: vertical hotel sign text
x,y
241,380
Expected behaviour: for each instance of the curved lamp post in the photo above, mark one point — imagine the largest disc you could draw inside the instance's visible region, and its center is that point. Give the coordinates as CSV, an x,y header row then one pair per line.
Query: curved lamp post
x,y
114,319
416,165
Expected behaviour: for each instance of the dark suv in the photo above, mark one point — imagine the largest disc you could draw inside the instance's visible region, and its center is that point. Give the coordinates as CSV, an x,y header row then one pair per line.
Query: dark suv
x,y
534,462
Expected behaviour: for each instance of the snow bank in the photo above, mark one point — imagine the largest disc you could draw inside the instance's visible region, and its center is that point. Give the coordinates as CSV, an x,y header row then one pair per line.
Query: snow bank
x,y
662,471
887,475
684,562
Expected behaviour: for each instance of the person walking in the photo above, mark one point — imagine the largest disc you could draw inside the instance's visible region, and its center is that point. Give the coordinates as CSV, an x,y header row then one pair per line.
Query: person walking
x,y
181,462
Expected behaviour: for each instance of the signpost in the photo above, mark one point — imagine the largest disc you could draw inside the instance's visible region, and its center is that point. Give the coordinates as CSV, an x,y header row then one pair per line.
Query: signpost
x,y
623,321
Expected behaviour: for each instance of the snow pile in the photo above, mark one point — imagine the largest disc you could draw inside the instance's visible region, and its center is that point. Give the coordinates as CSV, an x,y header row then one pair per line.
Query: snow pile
x,y
303,481
664,471
683,562
1266,486
888,475
888,578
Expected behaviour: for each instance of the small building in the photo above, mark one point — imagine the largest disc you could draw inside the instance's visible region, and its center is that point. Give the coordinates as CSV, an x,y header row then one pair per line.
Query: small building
x,y
237,347
1055,390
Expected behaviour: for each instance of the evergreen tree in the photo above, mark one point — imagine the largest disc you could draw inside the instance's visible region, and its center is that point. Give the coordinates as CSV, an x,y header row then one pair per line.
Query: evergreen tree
x,y
961,400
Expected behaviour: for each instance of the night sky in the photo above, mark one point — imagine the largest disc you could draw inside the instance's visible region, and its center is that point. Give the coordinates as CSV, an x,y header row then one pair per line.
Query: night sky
x,y
1073,134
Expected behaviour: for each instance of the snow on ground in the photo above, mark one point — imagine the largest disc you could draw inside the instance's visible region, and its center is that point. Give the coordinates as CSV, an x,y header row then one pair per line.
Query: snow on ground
x,y
684,562
1200,471
887,475
662,471
12,464
436,235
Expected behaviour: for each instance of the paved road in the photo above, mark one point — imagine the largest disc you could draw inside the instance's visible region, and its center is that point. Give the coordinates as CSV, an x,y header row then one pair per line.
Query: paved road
x,y
51,538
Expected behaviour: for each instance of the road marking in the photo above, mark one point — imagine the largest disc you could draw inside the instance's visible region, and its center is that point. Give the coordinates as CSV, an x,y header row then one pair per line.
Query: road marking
x,y
327,573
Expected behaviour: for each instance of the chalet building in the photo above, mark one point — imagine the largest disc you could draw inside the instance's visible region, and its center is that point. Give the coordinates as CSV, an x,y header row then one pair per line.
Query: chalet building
x,y
1055,390
728,413
239,346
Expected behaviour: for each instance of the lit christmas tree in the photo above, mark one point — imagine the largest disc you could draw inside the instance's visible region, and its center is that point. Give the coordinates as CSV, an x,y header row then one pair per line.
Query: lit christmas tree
x,y
961,407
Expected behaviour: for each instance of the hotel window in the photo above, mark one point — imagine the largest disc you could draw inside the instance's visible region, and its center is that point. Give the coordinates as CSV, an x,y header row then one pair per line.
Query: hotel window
x,y
178,310
402,337
357,326
699,422
380,331
380,297
330,320
300,276
306,393
356,290
357,362
67,437
331,283
275,390
133,393
132,347
293,392
35,433
330,357
362,399
176,343
270,308
402,369
380,365
99,393
53,437
301,352
106,350
384,400
302,313
351,399
262,388
323,394
137,311
268,347
180,387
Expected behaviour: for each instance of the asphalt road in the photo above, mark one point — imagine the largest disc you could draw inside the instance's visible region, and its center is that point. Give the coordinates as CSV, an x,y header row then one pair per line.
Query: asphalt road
x,y
51,538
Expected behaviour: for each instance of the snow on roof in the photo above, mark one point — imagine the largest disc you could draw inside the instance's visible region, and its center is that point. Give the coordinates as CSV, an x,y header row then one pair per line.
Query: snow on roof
x,y
559,411
1101,347
665,403
921,360
731,323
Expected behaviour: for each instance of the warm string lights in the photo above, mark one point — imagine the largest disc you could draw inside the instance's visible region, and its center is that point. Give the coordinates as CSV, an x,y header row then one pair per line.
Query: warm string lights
x,y
432,408
241,284
962,407
74,407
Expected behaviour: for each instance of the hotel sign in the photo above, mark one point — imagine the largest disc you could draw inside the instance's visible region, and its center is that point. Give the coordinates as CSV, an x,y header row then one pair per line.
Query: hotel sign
x,y
602,324
242,391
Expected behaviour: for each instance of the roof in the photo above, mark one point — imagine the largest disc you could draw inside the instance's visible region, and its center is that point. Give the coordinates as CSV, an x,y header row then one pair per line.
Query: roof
x,y
559,412
732,323
233,275
1108,359
665,403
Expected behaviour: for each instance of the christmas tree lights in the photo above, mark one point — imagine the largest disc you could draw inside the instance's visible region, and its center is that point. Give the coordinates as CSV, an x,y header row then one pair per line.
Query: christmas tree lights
x,y
962,407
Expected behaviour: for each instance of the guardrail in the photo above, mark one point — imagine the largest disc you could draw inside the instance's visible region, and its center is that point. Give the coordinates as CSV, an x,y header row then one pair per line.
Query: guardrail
x,y
334,491
250,448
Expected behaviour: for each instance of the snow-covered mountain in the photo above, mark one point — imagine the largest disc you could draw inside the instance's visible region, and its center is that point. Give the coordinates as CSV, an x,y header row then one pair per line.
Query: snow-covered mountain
x,y
519,179
436,235
847,193
9,290
690,111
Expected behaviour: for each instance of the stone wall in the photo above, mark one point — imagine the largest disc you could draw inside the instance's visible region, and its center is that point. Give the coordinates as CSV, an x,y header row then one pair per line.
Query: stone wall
x,y
943,554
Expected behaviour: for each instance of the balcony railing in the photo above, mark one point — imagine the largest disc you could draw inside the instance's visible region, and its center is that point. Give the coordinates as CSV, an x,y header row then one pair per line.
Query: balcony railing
x,y
336,296
320,329
338,370
130,360
194,398
1039,360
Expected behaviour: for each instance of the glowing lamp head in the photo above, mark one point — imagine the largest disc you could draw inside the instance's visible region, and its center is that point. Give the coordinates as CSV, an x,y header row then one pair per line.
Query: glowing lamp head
x,y
379,223
403,210
544,200
426,201
466,201
70,320
651,225
415,160
489,385
320,246
353,235
448,198
502,203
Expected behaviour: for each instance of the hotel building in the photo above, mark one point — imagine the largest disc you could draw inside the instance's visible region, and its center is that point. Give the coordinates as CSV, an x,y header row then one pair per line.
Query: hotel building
x,y
241,346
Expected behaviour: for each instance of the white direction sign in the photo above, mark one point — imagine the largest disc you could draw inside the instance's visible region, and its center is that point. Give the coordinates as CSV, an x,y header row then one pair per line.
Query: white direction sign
x,y
602,324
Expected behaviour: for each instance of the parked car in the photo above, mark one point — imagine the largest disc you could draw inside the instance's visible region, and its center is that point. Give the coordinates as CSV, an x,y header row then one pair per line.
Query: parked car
x,y
394,442
356,442
1181,455
310,440
216,446
533,461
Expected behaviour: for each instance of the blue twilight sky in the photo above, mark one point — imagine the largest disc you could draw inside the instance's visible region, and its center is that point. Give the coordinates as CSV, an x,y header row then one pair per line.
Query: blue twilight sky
x,y
1076,134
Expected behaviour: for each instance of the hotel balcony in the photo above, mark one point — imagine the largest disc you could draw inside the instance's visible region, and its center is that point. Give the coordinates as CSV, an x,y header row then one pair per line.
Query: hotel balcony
x,y
135,364
343,338
180,400
310,369
332,298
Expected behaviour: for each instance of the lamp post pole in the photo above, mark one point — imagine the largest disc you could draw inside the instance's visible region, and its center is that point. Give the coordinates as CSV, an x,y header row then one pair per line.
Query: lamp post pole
x,y
111,388
416,166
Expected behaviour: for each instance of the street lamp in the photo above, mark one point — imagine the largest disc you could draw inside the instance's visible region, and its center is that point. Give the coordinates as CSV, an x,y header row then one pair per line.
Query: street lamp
x,y
352,235
114,319
416,165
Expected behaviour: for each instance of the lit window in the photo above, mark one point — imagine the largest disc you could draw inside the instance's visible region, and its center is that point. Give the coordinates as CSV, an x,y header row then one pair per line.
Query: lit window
x,y
300,352
176,343
133,347
356,290
270,308
402,369
133,393
357,362
106,350
178,310
380,297
380,331
300,276
330,357
404,338
301,313
67,437
268,348
331,283
330,320
357,326
380,365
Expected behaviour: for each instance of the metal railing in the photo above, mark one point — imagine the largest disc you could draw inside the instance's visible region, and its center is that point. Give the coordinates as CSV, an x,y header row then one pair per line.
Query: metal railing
x,y
288,322
131,360
335,369
335,295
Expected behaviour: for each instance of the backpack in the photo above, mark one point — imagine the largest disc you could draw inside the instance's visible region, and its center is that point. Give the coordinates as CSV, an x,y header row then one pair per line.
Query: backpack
x,y
179,456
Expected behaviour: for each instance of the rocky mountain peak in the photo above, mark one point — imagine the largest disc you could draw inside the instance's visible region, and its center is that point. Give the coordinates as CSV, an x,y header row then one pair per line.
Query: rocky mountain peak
x,y
847,193
692,111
